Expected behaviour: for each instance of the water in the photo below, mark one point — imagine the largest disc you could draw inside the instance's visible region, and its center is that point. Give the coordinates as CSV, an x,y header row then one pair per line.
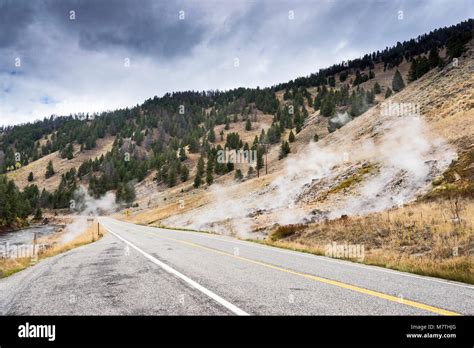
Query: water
x,y
25,236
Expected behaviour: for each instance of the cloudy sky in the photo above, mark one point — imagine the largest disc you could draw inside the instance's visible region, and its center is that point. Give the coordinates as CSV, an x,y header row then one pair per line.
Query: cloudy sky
x,y
70,56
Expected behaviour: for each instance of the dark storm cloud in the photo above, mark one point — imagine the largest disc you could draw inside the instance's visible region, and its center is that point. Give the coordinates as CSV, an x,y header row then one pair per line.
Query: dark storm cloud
x,y
146,26
15,16
70,66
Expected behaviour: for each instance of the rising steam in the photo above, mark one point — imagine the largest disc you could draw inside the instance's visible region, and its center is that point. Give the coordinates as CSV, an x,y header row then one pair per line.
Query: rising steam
x,y
85,207
405,153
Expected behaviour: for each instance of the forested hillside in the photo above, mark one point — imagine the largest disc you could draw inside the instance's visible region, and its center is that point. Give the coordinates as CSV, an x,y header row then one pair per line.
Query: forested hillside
x,y
162,134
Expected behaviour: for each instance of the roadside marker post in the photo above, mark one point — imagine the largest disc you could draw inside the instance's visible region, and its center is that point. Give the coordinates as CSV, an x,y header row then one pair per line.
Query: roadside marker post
x,y
35,241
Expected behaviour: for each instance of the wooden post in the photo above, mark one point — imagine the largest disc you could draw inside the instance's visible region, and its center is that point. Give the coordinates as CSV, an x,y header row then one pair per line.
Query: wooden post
x,y
266,161
34,244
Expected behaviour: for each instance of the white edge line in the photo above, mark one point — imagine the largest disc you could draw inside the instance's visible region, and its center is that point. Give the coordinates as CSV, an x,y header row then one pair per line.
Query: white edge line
x,y
318,257
188,280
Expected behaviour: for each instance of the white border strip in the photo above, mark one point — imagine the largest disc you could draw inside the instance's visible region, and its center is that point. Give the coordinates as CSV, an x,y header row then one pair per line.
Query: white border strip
x,y
191,282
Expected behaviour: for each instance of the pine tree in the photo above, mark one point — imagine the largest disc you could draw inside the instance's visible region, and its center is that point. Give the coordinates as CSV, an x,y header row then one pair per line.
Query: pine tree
x,y
291,137
358,78
331,81
38,214
343,76
212,135
358,102
197,181
171,177
412,73
184,173
238,175
182,154
250,171
388,92
260,153
284,150
377,89
434,58
125,193
248,125
328,107
67,152
209,178
31,177
199,172
49,170
397,82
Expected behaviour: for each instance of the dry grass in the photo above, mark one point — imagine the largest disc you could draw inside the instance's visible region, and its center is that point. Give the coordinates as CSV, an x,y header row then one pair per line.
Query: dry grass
x,y
286,231
9,266
60,165
429,238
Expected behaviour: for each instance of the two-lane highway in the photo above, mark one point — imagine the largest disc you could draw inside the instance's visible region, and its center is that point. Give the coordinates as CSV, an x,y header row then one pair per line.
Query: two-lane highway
x,y
144,270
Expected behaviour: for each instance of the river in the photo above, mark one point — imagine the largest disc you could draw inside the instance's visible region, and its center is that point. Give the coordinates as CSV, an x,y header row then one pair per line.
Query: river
x,y
26,235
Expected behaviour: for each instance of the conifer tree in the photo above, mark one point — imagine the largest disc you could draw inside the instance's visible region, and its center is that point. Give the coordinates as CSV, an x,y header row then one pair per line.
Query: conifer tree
x,y
291,137
397,82
377,89
171,177
182,154
49,170
199,172
284,150
248,125
212,135
209,168
433,58
328,107
184,175
238,175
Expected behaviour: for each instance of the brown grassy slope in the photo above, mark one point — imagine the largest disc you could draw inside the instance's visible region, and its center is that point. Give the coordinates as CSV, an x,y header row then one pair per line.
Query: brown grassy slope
x,y
422,238
448,115
60,165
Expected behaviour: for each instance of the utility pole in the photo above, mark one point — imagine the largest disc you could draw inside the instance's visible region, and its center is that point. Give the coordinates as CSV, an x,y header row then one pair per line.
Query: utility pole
x,y
266,159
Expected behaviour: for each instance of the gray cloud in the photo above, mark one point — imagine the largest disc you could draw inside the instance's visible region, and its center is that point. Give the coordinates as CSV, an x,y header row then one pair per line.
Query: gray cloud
x,y
145,27
15,16
78,66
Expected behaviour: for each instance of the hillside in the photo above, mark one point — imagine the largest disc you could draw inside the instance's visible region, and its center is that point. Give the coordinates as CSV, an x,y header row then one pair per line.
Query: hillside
x,y
323,180
391,130
61,166
372,181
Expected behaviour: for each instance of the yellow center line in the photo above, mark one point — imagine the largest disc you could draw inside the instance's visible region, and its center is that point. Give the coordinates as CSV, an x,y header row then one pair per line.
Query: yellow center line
x,y
391,298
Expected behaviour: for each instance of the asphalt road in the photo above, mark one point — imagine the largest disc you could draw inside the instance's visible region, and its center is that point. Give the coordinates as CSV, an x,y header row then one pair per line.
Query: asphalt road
x,y
152,271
